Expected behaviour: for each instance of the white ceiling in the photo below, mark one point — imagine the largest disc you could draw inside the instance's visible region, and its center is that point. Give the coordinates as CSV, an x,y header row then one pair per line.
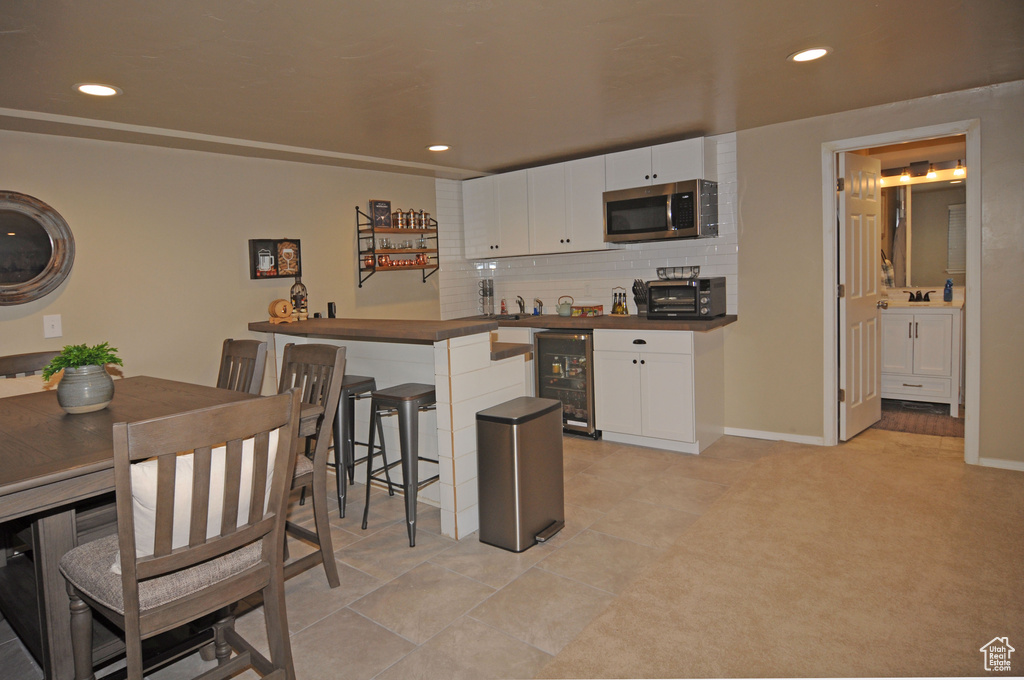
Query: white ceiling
x,y
507,83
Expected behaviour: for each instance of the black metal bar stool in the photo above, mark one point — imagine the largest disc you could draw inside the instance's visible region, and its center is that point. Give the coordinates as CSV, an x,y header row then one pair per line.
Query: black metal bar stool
x,y
407,400
353,388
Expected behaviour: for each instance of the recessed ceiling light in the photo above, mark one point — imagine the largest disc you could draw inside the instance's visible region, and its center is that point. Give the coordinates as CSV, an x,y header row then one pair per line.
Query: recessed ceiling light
x,y
438,147
809,54
98,90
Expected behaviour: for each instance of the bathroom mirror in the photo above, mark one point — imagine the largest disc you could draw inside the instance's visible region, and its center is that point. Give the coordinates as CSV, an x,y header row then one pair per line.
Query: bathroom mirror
x,y
37,248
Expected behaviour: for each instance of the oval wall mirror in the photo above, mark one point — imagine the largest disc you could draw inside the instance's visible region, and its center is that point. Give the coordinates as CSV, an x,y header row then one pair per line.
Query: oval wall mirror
x,y
36,248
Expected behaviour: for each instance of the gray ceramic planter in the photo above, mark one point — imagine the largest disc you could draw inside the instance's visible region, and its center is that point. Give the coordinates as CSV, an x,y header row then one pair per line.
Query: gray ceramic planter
x,y
85,389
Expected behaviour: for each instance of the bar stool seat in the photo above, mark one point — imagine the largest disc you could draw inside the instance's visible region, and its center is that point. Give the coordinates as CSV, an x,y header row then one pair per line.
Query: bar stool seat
x,y
353,388
407,400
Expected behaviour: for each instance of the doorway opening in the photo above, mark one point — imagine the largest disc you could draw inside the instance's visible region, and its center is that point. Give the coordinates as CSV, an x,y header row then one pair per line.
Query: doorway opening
x,y
926,146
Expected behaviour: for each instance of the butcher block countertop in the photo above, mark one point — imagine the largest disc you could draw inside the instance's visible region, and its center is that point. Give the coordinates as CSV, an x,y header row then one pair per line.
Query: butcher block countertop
x,y
416,331
630,323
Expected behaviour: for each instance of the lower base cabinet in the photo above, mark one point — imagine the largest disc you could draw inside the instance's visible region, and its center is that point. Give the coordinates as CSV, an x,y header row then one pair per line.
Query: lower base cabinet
x,y
921,355
659,388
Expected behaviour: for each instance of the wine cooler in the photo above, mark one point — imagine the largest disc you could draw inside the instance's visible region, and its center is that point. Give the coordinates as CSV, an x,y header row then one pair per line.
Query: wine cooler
x,y
564,363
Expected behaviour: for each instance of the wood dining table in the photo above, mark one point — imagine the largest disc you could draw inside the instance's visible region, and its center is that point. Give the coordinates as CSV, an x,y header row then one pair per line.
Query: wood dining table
x,y
52,464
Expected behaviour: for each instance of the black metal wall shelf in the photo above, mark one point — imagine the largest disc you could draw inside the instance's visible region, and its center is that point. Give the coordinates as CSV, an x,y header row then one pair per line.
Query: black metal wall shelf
x,y
373,259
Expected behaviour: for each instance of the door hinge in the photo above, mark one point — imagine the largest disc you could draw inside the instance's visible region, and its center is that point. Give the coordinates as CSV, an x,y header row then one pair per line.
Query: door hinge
x,y
842,290
842,396
840,184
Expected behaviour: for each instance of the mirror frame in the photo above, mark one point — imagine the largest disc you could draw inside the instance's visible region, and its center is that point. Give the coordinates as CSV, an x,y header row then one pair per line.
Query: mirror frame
x,y
61,258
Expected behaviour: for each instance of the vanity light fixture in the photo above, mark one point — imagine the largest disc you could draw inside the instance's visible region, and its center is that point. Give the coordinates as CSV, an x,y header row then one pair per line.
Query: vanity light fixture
x,y
959,170
905,176
98,90
931,172
438,147
809,54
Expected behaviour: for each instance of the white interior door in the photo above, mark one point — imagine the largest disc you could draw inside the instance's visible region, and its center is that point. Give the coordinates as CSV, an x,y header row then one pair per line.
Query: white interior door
x,y
859,278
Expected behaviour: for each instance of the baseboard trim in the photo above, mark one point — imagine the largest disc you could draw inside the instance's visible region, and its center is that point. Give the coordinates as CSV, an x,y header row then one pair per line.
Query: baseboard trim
x,y
1002,464
775,436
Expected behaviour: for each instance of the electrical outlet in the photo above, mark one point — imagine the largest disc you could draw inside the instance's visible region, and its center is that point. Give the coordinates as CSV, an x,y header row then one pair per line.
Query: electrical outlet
x,y
51,326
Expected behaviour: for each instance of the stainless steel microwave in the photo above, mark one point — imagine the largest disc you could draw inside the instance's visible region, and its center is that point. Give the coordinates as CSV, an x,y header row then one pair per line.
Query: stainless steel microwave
x,y
686,298
663,211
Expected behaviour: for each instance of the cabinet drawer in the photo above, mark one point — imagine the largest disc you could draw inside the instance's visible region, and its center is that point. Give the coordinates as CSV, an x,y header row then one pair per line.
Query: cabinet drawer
x,y
916,385
666,342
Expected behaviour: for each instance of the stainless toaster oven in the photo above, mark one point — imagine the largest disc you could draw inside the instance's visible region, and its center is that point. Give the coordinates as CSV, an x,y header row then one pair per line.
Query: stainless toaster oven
x,y
686,298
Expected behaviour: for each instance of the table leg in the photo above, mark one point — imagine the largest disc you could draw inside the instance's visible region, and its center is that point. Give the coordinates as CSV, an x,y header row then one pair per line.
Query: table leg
x,y
53,535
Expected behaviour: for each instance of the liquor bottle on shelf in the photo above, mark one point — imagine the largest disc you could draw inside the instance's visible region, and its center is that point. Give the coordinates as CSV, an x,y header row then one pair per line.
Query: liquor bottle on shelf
x,y
299,298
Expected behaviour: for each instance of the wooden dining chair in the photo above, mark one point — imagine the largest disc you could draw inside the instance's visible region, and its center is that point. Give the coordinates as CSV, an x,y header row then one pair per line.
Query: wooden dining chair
x,y
14,365
241,365
201,503
317,371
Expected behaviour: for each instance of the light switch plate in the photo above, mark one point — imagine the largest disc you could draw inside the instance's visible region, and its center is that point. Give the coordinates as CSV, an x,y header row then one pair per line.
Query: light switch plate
x,y
51,326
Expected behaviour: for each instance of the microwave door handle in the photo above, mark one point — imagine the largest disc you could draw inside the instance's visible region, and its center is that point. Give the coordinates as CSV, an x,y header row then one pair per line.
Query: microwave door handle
x,y
668,213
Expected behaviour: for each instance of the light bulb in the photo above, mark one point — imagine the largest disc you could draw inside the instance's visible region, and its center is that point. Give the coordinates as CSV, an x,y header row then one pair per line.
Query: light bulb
x,y
905,177
931,172
959,171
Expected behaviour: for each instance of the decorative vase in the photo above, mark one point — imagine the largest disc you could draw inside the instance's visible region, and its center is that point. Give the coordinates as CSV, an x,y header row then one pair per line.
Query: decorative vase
x,y
85,389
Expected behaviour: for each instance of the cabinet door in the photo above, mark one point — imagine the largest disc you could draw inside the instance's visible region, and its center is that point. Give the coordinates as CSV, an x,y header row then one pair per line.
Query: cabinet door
x,y
666,382
933,344
547,209
584,181
617,392
480,230
678,161
511,196
897,342
627,169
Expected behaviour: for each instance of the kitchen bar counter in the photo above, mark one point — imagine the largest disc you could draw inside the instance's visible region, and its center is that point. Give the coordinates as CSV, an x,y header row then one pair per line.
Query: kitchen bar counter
x,y
417,331
630,323
469,368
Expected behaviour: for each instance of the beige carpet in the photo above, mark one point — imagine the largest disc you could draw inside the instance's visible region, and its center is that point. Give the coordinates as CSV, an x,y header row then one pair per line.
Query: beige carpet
x,y
876,558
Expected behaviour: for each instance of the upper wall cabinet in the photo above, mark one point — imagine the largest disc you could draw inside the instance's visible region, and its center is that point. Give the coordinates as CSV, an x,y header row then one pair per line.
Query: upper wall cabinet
x,y
496,216
558,208
565,206
661,164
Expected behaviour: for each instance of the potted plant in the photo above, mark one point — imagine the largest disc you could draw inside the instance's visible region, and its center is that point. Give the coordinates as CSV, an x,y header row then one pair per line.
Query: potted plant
x,y
86,386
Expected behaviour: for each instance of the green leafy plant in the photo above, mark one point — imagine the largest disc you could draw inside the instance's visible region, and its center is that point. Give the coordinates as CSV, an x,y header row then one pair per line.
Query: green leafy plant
x,y
76,356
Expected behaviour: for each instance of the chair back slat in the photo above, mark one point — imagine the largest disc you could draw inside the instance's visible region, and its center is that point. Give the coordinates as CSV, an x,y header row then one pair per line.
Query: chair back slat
x,y
232,487
201,463
14,365
241,365
259,477
167,468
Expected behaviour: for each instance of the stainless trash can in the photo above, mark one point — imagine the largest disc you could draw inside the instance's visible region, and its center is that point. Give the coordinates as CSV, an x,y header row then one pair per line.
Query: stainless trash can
x,y
519,472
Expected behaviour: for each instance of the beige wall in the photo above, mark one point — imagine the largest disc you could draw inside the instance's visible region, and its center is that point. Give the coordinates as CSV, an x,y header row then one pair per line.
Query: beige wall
x,y
161,270
775,352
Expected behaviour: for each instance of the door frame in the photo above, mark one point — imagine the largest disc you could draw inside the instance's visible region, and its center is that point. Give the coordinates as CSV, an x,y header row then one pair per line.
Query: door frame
x,y
972,295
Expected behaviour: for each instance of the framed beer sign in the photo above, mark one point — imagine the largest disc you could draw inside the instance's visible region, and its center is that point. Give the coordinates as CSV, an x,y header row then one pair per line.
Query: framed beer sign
x,y
275,258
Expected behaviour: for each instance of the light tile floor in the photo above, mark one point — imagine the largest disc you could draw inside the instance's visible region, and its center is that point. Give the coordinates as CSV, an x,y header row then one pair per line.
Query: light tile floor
x,y
462,609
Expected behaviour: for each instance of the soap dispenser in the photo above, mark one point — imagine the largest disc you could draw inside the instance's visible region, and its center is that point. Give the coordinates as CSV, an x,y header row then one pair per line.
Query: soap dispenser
x,y
947,292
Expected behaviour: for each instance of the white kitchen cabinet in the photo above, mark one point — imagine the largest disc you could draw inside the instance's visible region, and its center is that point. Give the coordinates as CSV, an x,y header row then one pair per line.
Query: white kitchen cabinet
x,y
661,164
659,388
480,218
566,206
549,210
921,355
496,216
584,181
